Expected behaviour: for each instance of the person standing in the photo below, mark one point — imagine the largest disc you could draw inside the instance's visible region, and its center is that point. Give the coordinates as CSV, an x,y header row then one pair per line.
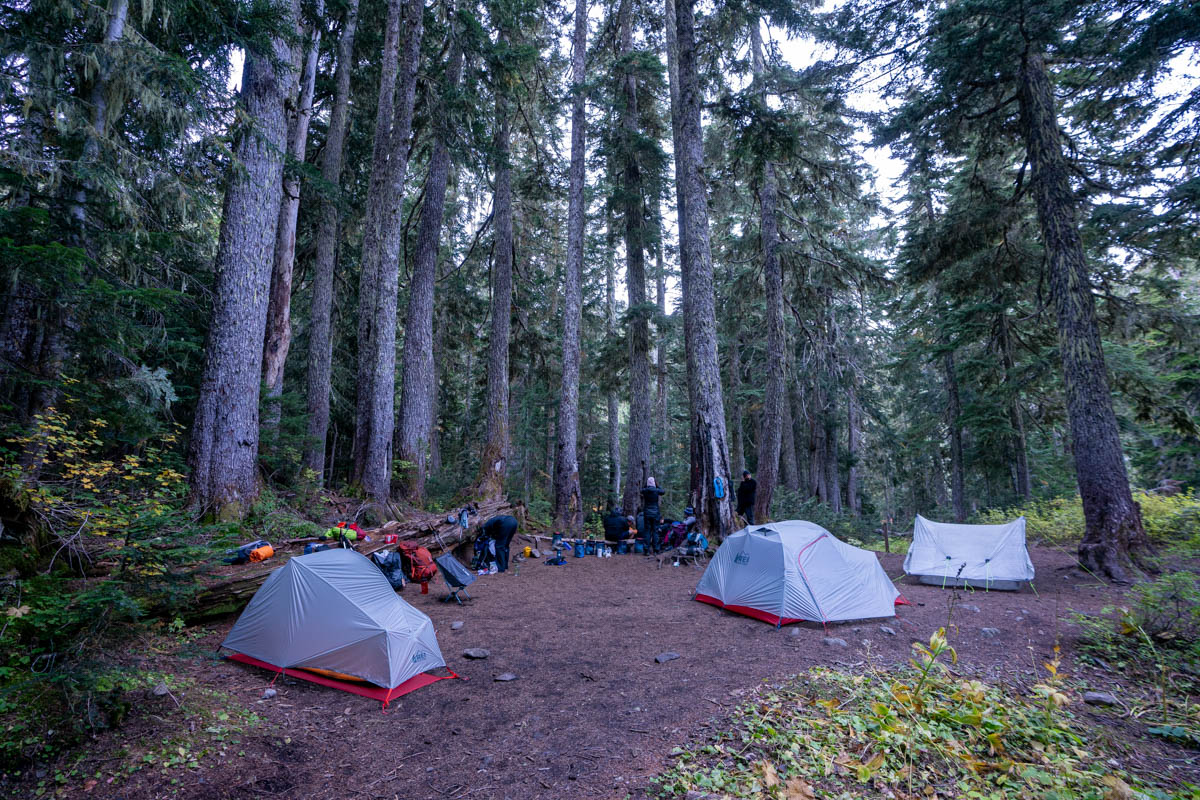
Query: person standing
x,y
501,531
746,491
651,514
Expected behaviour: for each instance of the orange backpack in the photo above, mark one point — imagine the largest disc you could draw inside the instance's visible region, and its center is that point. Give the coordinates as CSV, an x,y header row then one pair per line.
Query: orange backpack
x,y
417,561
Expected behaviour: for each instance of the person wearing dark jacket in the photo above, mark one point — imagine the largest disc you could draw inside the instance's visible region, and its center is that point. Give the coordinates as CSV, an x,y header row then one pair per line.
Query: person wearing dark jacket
x,y
746,491
616,529
501,531
651,514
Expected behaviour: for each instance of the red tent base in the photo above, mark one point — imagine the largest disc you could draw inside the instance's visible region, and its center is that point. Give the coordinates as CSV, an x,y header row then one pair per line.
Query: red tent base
x,y
901,600
379,693
756,613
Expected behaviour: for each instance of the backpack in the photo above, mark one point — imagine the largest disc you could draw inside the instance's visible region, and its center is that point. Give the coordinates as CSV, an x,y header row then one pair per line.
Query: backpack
x,y
392,567
417,561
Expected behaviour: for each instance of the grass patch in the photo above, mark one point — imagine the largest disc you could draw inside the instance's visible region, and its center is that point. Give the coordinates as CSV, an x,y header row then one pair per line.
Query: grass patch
x,y
916,732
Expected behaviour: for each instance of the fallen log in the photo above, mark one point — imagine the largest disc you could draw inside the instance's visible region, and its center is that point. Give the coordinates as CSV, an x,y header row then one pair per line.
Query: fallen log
x,y
228,587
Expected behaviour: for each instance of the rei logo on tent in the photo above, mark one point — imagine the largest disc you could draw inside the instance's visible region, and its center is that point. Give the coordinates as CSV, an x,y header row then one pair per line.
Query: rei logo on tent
x,y
419,656
742,558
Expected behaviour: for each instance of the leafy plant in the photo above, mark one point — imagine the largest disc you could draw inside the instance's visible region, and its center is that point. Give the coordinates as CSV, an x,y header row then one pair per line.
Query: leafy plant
x,y
916,732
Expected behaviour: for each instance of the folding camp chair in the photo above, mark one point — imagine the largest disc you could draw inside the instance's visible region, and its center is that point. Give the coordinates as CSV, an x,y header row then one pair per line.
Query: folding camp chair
x,y
456,576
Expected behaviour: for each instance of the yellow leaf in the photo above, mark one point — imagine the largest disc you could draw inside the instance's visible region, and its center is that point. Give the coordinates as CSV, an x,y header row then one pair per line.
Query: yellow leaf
x,y
16,612
1117,788
798,789
766,770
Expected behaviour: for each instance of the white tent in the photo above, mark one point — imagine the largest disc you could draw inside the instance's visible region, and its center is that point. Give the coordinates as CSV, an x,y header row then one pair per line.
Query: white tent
x,y
984,556
794,570
336,613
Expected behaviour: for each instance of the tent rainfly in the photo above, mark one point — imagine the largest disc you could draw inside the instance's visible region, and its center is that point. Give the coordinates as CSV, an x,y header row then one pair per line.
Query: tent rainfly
x,y
332,618
983,556
795,570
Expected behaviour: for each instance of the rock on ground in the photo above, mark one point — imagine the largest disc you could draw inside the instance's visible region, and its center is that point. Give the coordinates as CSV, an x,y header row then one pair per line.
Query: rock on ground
x,y
505,676
833,641
1099,698
475,652
663,658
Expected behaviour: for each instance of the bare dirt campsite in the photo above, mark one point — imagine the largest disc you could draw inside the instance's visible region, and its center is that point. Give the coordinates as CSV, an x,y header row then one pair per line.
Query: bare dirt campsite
x,y
591,712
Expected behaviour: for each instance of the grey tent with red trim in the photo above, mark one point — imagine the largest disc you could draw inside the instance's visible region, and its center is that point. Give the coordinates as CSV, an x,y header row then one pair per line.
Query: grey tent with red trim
x,y
796,570
334,611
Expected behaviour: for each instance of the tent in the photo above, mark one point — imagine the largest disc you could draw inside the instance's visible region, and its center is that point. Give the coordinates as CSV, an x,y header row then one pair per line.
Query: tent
x,y
984,556
332,618
795,570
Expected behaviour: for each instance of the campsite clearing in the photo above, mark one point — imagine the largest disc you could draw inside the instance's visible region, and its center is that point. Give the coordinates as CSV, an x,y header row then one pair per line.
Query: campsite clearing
x,y
593,714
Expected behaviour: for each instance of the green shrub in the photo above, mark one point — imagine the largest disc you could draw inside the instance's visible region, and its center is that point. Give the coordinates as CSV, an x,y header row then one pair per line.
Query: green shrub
x,y
1173,522
916,731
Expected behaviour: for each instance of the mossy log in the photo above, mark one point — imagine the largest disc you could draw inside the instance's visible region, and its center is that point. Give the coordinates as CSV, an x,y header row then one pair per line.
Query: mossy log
x,y
229,587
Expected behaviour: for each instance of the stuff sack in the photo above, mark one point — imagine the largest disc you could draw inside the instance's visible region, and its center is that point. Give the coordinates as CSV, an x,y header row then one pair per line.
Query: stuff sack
x,y
418,562
392,567
260,550
677,534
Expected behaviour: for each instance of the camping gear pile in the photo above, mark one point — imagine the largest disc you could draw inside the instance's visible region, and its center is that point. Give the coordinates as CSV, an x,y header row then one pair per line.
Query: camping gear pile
x,y
250,553
981,556
333,619
791,571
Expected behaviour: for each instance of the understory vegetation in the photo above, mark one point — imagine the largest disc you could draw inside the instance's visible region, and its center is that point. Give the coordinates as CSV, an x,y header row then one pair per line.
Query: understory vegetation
x,y
921,731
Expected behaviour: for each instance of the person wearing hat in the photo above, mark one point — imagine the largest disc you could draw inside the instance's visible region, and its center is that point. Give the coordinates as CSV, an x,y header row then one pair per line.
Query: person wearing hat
x,y
746,492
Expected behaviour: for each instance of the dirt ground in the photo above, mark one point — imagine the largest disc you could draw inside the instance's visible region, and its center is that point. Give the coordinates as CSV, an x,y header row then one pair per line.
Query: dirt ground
x,y
591,714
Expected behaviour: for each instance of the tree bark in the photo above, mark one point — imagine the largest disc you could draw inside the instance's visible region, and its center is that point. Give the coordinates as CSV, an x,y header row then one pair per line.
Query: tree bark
x,y
773,402
568,501
633,212
789,468
953,413
1114,538
224,443
412,441
833,462
852,441
610,324
368,277
662,422
710,487
278,337
320,337
1022,482
493,457
381,410
736,412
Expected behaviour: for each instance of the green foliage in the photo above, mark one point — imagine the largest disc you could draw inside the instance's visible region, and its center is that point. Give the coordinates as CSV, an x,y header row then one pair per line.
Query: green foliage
x,y
1170,521
907,733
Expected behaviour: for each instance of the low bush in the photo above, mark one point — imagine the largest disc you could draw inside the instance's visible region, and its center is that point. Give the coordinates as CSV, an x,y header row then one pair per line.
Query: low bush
x,y
917,732
1172,522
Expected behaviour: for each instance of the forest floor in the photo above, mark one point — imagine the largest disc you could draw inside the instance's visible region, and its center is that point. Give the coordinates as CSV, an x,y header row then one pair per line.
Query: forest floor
x,y
590,715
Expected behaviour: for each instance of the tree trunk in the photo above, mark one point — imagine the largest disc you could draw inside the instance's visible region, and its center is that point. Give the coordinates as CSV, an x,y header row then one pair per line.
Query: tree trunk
x,y
381,410
368,277
568,502
320,336
709,453
789,469
798,430
494,455
773,416
833,463
416,422
1022,483
1113,536
852,437
736,412
224,444
279,304
953,413
633,212
662,424
610,324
